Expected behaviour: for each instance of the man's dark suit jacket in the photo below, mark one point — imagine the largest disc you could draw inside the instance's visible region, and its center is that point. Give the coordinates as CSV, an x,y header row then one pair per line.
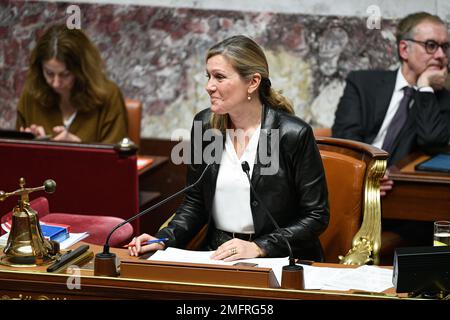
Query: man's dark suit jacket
x,y
364,104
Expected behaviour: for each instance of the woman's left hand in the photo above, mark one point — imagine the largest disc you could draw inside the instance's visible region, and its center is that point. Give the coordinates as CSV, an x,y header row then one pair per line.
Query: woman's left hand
x,y
62,134
235,249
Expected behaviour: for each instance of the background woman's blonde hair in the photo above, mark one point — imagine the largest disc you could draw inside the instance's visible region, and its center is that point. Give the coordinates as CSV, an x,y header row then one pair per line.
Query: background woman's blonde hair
x,y
73,48
247,58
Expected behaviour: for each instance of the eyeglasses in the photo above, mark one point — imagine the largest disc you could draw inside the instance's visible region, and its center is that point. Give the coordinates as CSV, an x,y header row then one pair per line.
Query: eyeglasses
x,y
432,46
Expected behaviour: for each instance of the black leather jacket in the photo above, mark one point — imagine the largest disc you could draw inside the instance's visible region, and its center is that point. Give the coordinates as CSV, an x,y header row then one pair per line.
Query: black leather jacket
x,y
296,194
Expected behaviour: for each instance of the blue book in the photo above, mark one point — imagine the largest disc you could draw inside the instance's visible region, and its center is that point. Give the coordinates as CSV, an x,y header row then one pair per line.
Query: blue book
x,y
438,163
55,233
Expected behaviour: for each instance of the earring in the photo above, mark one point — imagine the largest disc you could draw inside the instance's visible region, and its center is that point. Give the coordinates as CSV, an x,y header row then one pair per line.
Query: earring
x,y
249,97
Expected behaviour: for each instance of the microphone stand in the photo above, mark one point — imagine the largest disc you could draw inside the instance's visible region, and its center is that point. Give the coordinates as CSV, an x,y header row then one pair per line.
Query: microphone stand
x,y
106,263
292,274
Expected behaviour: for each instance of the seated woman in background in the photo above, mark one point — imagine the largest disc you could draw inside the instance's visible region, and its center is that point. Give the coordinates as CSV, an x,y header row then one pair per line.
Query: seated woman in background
x,y
242,100
67,95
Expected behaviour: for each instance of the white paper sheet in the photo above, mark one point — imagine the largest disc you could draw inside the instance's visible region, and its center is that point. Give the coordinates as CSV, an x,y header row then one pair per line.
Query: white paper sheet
x,y
4,239
365,278
72,239
179,255
317,277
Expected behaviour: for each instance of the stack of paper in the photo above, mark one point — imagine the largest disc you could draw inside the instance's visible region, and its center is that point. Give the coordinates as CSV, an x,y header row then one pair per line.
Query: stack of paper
x,y
71,240
364,278
4,239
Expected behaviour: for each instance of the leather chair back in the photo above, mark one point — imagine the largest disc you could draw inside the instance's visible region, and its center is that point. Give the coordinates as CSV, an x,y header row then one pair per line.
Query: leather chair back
x,y
322,132
345,201
352,193
134,112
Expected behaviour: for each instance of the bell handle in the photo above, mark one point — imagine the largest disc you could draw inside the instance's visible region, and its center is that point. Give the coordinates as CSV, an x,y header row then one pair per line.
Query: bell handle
x,y
49,187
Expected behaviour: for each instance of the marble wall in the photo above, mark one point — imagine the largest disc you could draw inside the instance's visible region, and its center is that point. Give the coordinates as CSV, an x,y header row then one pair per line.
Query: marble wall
x,y
156,54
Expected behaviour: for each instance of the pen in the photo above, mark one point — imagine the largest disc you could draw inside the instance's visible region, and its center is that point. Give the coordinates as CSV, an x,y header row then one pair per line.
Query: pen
x,y
147,242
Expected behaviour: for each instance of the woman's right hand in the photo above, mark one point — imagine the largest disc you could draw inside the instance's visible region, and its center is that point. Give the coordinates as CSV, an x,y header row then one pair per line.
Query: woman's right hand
x,y
38,131
135,248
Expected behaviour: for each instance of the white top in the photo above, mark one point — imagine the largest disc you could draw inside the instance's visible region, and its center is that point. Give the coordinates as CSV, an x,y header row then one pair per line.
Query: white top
x,y
231,205
397,96
68,122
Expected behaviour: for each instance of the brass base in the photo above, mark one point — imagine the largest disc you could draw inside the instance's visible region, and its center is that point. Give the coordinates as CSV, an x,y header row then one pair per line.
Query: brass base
x,y
28,261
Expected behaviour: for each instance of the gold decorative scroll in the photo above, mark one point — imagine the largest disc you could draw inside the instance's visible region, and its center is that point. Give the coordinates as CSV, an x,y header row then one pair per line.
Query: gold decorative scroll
x,y
367,241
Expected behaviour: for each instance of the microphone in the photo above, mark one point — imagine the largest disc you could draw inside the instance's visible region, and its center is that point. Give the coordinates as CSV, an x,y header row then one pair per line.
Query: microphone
x,y
292,277
105,262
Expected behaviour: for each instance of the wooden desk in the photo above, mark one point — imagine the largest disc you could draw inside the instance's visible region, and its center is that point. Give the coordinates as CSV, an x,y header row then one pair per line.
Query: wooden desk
x,y
156,182
417,195
35,283
150,164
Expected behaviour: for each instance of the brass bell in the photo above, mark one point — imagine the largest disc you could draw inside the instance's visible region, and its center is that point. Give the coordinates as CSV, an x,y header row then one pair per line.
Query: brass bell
x,y
26,246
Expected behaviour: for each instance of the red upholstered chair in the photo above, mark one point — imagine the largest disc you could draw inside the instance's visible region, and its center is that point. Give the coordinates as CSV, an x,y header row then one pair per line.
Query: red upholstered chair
x,y
98,227
90,179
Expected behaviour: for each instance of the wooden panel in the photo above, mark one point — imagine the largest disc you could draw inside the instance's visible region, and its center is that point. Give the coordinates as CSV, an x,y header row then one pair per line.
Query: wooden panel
x,y
198,273
417,195
34,283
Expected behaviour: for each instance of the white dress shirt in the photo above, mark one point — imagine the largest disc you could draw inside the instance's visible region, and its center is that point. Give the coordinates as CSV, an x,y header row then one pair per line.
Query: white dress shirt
x,y
68,122
231,205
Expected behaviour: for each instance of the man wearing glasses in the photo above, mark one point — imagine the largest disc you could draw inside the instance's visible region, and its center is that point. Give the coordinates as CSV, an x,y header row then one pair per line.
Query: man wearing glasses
x,y
367,111
404,110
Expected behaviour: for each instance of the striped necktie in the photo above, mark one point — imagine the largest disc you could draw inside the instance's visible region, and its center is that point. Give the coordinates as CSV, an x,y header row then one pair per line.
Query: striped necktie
x,y
398,121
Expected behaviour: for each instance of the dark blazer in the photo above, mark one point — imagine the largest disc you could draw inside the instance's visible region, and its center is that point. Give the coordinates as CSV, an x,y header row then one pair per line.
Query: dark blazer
x,y
296,195
364,104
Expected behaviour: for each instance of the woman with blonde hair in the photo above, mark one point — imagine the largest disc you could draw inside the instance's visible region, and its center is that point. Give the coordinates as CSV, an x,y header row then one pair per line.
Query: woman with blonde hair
x,y
242,99
67,94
